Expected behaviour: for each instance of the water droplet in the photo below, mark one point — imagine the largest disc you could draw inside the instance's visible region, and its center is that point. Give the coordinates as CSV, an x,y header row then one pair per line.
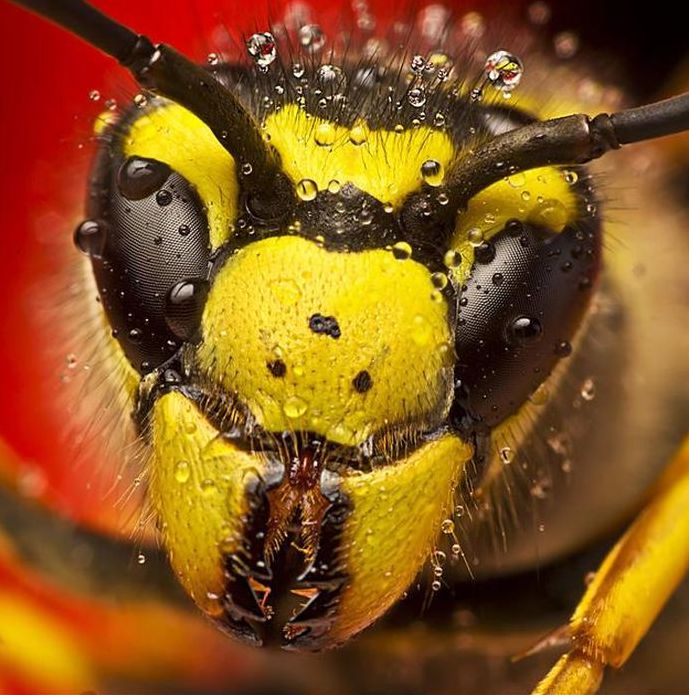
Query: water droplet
x,y
448,526
298,70
459,511
357,135
563,348
498,279
525,330
588,390
182,471
184,230
295,407
421,331
331,75
456,549
550,213
208,487
141,558
432,172
475,236
261,48
325,134
418,63
94,95
452,259
443,199
90,237
402,250
307,189
311,37
506,455
417,97
517,180
436,585
571,177
163,197
139,177
503,70
136,335
439,280
183,306
213,59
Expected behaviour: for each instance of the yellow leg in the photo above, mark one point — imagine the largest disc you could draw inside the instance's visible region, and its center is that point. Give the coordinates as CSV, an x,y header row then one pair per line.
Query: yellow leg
x,y
630,588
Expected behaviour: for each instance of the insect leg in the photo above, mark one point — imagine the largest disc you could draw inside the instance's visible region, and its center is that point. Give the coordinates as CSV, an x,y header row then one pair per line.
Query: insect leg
x,y
630,588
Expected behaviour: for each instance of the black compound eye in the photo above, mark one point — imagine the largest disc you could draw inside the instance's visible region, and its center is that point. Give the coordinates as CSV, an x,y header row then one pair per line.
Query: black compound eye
x,y
519,311
149,246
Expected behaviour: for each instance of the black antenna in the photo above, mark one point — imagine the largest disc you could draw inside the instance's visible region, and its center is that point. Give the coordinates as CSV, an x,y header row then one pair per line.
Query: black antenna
x,y
170,74
574,139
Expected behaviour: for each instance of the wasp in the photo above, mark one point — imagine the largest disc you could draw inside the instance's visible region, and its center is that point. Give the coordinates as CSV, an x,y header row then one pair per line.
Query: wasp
x,y
334,291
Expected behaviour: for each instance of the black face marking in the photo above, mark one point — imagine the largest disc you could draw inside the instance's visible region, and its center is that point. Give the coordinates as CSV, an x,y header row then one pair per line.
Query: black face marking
x,y
327,325
277,368
362,382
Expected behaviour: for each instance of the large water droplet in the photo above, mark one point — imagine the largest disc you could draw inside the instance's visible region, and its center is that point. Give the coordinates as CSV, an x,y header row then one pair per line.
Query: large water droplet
x,y
183,307
432,172
90,237
417,96
307,189
325,134
525,330
139,177
401,250
295,407
503,70
261,48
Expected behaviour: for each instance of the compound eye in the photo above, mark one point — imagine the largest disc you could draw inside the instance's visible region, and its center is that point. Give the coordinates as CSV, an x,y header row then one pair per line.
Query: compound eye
x,y
149,247
519,311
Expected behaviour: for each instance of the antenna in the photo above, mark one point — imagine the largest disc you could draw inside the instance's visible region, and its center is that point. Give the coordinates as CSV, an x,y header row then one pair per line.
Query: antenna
x,y
574,139
170,74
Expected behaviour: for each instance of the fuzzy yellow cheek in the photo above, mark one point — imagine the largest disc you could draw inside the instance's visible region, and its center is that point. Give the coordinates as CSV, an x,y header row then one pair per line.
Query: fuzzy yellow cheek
x,y
199,483
396,516
340,344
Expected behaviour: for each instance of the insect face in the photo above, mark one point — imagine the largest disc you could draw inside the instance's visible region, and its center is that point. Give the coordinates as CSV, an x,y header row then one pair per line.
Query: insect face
x,y
313,381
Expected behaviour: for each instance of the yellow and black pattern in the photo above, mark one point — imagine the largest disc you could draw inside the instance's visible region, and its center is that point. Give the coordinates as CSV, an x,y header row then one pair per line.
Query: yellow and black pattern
x,y
314,385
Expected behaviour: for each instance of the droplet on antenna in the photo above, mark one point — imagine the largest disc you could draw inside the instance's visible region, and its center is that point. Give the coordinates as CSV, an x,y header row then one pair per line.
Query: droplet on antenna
x,y
261,48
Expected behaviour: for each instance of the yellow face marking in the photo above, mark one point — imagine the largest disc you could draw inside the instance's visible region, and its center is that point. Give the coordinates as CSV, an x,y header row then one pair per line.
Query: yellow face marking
x,y
396,518
384,163
393,325
544,197
173,135
198,488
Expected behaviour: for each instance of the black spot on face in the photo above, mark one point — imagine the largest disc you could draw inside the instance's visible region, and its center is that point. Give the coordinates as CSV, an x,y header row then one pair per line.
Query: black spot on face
x,y
326,325
277,368
362,382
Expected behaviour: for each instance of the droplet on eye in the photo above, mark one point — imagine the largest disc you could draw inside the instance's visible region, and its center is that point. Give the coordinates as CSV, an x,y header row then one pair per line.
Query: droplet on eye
x,y
183,306
90,237
524,330
139,177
